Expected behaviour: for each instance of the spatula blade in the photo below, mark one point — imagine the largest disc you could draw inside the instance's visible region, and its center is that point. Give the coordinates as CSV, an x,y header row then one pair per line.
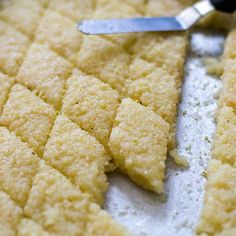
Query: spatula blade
x,y
133,25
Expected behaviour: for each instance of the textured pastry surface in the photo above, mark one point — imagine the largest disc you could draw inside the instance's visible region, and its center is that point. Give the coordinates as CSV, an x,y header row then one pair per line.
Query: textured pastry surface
x,y
139,143
69,104
218,214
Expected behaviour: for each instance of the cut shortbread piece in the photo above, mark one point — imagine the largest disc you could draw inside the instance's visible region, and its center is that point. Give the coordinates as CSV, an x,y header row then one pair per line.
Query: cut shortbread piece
x,y
29,117
138,142
48,81
91,104
104,59
18,165
62,209
52,32
13,46
218,215
10,215
153,87
28,227
74,9
5,85
225,139
79,156
23,14
56,204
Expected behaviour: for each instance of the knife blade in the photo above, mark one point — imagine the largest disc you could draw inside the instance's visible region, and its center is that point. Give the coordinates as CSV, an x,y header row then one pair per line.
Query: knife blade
x,y
181,22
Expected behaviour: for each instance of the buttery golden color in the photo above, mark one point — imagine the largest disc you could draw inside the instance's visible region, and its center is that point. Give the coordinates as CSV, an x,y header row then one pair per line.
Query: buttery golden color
x,y
218,214
70,105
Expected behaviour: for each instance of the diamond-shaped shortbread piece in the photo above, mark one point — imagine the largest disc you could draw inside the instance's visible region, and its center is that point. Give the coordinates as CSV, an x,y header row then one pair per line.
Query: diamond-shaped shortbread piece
x,y
18,165
91,104
13,46
74,9
10,215
79,156
138,143
23,14
218,214
225,138
5,85
60,34
56,204
28,227
104,59
29,117
48,81
153,87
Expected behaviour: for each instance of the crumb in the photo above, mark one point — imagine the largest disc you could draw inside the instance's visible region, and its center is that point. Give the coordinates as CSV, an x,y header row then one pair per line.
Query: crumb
x,y
213,66
179,160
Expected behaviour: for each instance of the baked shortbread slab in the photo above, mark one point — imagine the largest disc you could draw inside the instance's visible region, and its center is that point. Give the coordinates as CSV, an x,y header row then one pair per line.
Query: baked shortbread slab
x,y
42,52
218,214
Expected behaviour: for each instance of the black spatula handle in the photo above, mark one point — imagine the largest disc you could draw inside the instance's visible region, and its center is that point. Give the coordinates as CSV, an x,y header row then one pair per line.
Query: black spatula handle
x,y
228,6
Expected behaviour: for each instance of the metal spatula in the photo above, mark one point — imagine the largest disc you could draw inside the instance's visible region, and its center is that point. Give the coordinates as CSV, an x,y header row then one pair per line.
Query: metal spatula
x,y
185,20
